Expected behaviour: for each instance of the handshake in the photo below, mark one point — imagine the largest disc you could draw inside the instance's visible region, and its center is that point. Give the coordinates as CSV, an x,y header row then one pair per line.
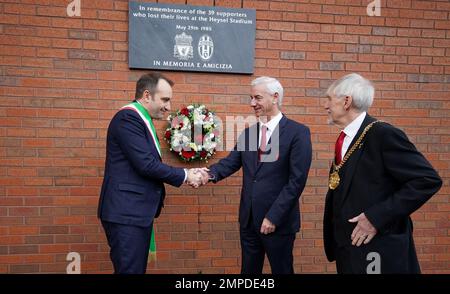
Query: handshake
x,y
197,177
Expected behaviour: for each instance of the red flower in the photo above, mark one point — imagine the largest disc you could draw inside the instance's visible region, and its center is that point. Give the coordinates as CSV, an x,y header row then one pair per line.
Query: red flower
x,y
168,135
188,154
185,111
203,154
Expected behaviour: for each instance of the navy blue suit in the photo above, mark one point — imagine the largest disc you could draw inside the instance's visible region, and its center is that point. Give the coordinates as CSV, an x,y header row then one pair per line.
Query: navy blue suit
x,y
269,190
133,191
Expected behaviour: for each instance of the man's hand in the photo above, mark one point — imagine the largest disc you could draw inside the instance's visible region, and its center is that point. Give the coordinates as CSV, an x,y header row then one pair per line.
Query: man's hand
x,y
267,227
197,177
204,171
194,178
364,230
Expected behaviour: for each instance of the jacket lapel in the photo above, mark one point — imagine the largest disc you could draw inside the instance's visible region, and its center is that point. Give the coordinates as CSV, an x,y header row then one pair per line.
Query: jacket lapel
x,y
250,154
352,163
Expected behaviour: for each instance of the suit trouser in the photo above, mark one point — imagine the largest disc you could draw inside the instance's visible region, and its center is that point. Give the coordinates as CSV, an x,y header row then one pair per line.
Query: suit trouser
x,y
348,260
129,247
277,247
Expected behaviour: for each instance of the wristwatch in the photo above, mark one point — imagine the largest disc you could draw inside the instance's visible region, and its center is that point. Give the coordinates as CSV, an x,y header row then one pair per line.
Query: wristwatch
x,y
211,178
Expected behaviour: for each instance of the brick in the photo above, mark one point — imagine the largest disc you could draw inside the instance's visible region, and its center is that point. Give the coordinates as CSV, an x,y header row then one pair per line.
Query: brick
x,y
292,55
291,36
49,171
97,45
24,269
38,259
307,27
345,39
98,25
34,20
112,15
23,249
37,62
283,6
84,35
39,239
83,54
98,65
351,20
320,18
19,9
293,16
317,37
281,26
322,56
331,66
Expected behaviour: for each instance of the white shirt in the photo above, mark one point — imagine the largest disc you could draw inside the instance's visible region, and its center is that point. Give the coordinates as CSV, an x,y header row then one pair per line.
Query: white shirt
x,y
350,132
271,125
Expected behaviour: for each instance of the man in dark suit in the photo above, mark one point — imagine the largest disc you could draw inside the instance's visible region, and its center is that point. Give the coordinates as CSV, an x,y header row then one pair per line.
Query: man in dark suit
x,y
377,180
274,175
133,191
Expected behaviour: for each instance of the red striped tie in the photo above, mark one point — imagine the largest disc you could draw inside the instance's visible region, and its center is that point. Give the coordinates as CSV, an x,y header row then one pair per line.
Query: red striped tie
x,y
338,148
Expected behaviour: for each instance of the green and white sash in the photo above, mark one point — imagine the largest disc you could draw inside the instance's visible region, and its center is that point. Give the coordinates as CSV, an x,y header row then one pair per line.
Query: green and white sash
x,y
143,113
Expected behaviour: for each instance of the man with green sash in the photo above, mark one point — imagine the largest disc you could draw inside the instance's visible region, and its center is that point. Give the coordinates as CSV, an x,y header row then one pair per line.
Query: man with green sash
x,y
133,190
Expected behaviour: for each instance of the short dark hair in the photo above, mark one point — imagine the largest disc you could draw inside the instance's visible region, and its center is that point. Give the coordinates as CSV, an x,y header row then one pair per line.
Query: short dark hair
x,y
149,82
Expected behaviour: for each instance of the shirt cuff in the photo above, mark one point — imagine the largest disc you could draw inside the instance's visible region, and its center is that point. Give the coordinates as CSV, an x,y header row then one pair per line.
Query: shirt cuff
x,y
185,175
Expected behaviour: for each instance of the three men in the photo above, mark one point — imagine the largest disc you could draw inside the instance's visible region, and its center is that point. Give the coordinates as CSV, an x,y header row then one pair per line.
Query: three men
x,y
377,180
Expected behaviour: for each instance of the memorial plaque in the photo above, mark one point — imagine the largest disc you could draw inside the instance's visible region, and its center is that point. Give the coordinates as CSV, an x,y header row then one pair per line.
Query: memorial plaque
x,y
191,38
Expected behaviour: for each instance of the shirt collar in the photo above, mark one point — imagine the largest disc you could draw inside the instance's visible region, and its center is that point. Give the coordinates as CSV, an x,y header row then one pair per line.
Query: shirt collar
x,y
354,126
272,124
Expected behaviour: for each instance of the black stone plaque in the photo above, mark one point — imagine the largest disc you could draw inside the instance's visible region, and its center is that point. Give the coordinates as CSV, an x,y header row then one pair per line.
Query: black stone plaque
x,y
191,38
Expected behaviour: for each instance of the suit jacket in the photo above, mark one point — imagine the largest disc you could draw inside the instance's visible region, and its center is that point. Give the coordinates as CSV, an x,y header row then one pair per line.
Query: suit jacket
x,y
387,179
270,189
133,191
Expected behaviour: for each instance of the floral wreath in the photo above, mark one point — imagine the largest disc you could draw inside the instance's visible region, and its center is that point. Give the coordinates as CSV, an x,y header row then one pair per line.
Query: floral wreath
x,y
193,133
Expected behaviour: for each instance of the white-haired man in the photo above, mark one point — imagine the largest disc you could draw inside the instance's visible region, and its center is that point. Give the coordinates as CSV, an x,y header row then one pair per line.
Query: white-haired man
x,y
274,176
377,180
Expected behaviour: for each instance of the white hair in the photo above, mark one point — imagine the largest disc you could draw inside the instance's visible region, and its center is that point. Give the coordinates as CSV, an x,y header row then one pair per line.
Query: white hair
x,y
361,90
272,85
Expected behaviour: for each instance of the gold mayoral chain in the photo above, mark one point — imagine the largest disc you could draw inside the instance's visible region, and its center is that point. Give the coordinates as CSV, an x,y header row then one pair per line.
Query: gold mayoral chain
x,y
334,180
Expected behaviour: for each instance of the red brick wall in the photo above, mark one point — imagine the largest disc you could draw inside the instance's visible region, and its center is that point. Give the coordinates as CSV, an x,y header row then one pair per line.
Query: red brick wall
x,y
62,79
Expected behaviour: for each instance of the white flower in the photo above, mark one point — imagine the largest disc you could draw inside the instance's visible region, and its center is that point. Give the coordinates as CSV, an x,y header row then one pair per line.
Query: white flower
x,y
198,118
179,140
